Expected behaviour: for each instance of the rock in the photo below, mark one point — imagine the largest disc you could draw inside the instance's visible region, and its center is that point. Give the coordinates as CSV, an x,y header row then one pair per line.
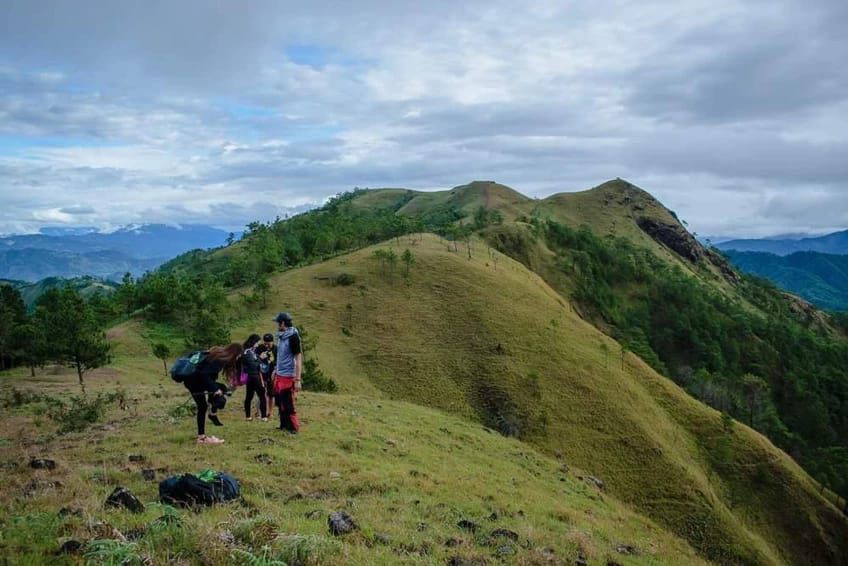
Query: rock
x,y
383,538
673,236
135,534
421,527
335,475
36,485
136,458
102,529
597,483
149,474
452,542
264,459
70,546
122,497
626,549
504,533
340,523
467,525
504,550
70,511
581,560
226,537
42,464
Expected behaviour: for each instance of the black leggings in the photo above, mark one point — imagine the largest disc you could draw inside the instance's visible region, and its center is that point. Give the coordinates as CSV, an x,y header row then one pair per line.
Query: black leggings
x,y
202,407
254,385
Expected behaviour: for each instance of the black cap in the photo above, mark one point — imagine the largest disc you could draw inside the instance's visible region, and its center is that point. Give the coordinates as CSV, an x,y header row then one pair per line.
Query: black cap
x,y
268,338
283,317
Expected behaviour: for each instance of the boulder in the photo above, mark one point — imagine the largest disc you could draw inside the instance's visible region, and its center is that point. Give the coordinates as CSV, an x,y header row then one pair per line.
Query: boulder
x,y
70,546
123,497
340,523
42,464
468,525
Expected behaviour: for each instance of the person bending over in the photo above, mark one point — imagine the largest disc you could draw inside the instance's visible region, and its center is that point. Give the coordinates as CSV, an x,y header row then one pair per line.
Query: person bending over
x,y
204,389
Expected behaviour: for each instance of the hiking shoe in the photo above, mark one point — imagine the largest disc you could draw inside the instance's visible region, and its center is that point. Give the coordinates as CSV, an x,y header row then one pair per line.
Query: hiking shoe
x,y
215,420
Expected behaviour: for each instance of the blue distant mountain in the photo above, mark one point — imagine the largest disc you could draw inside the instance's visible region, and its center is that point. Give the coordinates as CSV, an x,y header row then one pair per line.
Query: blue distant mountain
x,y
835,243
134,249
822,279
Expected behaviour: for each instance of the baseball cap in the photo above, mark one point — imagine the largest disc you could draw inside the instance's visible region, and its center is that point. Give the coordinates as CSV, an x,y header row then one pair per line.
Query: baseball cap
x,y
283,317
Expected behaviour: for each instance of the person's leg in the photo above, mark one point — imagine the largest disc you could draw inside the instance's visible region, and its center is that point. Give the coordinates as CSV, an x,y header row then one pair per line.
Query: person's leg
x,y
202,407
288,416
248,397
260,391
213,413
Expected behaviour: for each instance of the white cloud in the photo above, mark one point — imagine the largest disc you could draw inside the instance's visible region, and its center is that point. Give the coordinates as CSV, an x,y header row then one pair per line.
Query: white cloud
x,y
733,112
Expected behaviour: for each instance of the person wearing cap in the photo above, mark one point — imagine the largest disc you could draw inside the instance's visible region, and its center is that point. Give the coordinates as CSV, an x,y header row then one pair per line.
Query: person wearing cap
x,y
288,372
267,352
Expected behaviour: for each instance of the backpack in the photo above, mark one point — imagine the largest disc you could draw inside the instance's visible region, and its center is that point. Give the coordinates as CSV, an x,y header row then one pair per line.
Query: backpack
x,y
206,488
186,366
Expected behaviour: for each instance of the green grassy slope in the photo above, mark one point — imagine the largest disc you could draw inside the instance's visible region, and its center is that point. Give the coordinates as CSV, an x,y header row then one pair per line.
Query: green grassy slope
x,y
407,475
497,344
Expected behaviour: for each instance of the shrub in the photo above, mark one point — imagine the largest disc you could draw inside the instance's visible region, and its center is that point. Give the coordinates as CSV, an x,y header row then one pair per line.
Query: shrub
x,y
79,412
315,380
344,279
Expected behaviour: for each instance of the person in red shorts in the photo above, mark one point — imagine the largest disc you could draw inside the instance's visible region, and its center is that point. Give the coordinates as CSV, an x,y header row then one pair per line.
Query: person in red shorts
x,y
288,371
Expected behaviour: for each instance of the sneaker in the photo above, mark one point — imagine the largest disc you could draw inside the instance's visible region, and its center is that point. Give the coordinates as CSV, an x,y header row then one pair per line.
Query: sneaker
x,y
264,419
210,440
249,419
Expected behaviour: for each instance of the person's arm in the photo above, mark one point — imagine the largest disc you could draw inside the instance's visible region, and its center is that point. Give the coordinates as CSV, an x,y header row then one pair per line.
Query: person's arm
x,y
296,350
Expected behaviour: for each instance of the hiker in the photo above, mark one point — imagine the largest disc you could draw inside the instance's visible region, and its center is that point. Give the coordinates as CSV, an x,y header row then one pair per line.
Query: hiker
x,y
255,385
267,352
205,390
288,371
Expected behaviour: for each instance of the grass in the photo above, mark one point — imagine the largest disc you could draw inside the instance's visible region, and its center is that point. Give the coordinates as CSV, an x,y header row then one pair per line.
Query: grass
x,y
406,474
465,336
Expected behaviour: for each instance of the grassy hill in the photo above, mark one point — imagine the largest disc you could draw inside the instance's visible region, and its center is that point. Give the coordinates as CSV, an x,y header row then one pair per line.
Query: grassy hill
x,y
407,475
492,341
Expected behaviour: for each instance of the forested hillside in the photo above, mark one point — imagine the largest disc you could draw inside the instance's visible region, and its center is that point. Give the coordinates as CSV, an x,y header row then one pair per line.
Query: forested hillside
x,y
821,279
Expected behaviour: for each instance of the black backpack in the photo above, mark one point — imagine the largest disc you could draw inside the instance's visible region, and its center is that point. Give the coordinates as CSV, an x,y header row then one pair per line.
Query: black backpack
x,y
188,490
186,366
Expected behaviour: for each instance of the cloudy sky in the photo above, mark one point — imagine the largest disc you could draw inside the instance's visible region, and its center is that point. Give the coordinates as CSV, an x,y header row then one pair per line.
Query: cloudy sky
x,y
733,113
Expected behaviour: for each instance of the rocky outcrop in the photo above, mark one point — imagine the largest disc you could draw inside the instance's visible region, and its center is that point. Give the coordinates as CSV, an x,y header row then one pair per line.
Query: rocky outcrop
x,y
674,237
679,240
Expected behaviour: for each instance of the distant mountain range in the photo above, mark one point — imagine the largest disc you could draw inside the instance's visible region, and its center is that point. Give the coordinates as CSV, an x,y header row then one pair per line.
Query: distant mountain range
x,y
821,279
835,243
86,286
813,267
78,252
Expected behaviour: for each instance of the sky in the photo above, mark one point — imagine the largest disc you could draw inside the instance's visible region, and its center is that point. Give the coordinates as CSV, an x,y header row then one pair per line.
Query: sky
x,y
733,113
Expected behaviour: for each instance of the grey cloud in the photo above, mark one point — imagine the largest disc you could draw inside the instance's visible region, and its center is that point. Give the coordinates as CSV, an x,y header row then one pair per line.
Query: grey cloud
x,y
77,210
